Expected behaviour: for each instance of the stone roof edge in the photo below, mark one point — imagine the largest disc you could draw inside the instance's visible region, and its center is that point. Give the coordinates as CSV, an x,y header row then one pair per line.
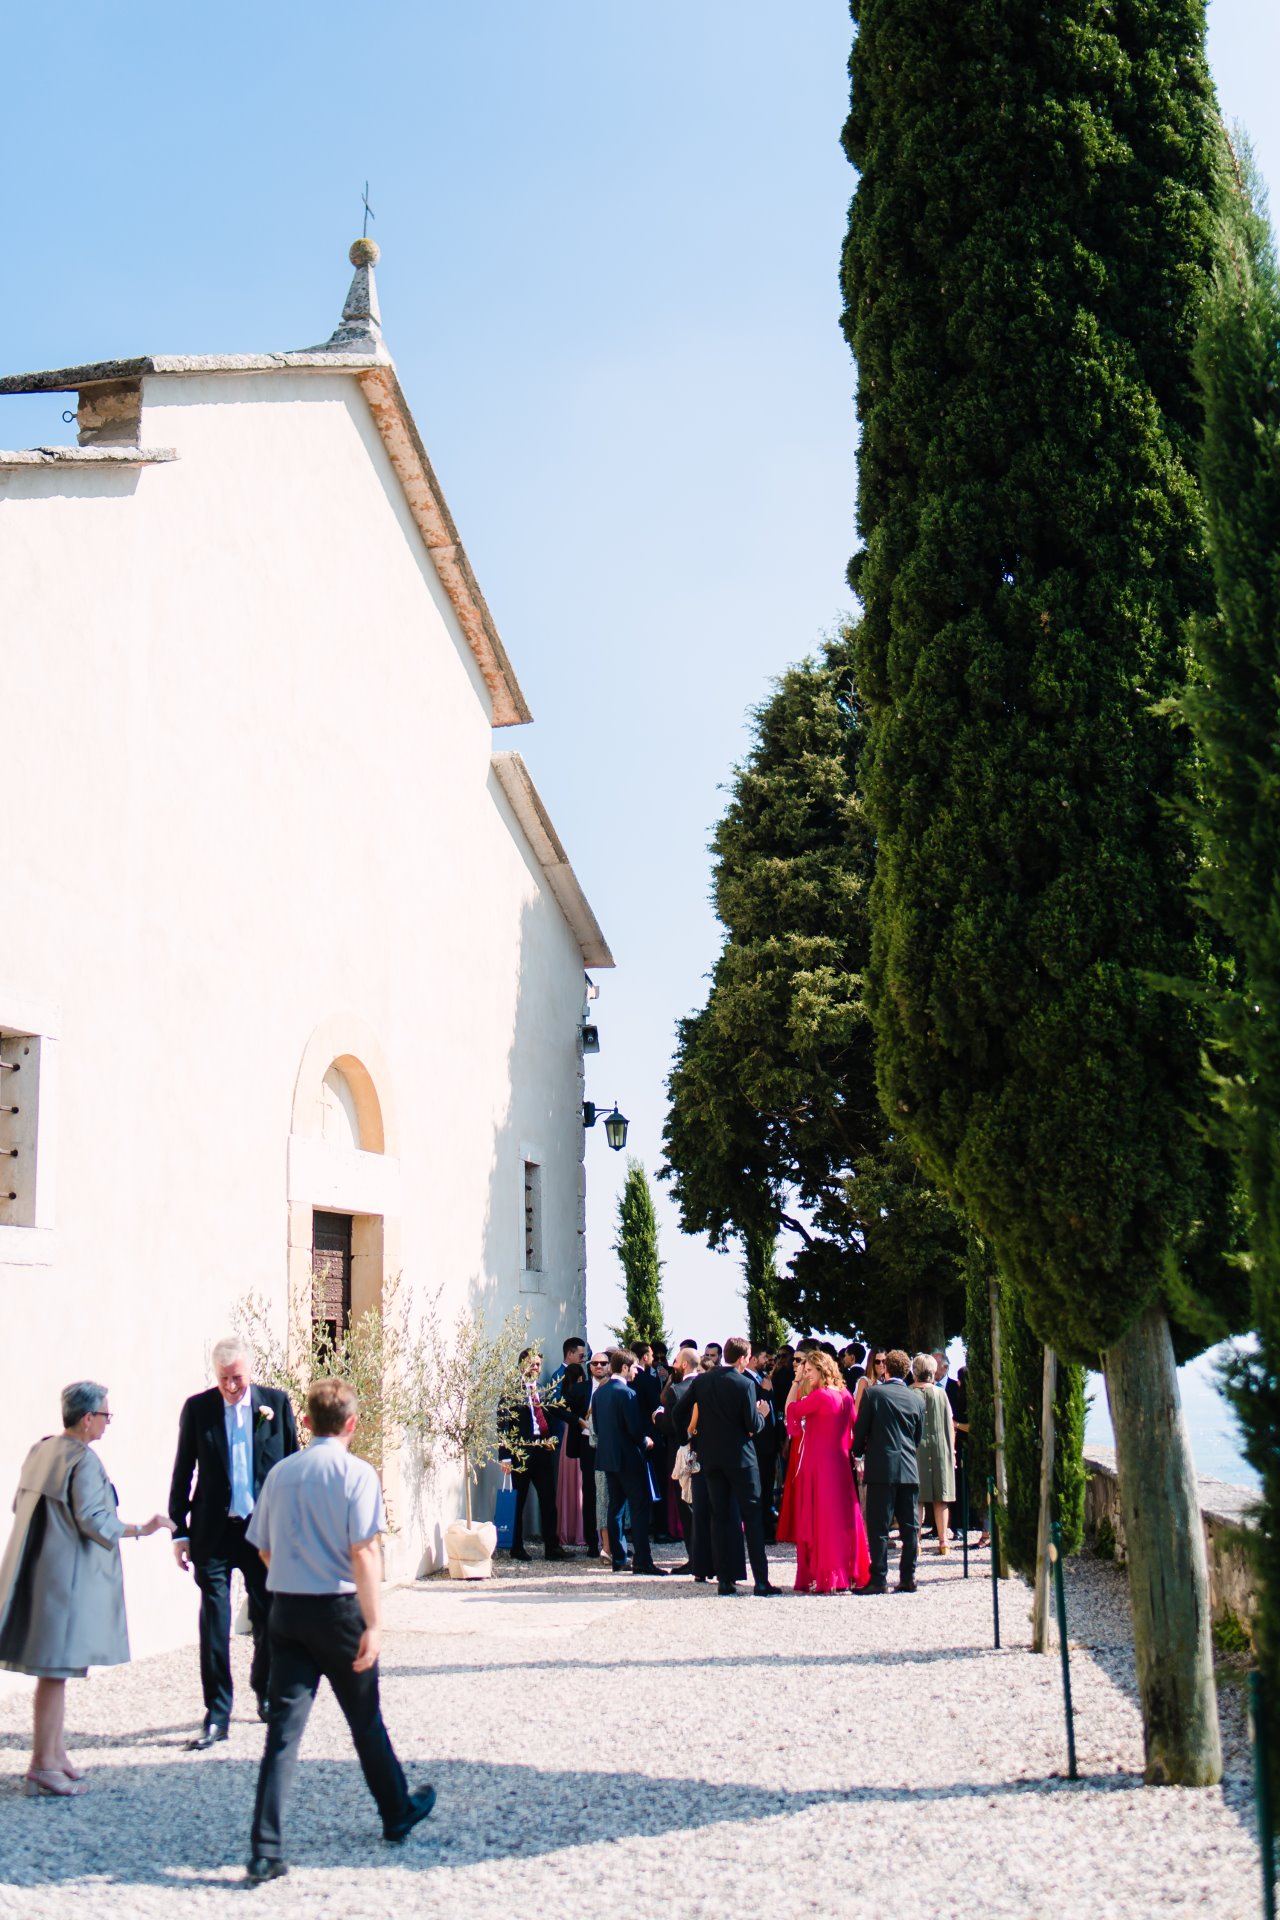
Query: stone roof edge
x,y
87,457
427,504
535,822
71,379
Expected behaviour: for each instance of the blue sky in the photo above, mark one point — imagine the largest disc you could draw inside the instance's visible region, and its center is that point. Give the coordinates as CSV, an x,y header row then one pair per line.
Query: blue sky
x,y
610,240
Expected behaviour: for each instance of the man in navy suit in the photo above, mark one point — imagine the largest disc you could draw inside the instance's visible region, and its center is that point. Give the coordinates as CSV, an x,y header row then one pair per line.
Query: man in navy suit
x,y
229,1438
622,1446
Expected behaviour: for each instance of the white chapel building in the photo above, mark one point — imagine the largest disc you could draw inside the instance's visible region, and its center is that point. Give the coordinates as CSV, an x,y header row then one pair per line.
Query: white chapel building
x,y
292,961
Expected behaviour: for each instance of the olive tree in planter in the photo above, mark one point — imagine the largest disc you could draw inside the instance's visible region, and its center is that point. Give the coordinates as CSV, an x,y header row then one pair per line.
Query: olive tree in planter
x,y
458,1379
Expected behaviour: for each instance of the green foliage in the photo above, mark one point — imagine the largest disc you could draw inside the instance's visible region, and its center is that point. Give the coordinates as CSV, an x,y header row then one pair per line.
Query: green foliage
x,y
1104,1540
371,1356
1026,251
1231,1635
637,1248
1232,708
765,1324
774,1119
458,1380
977,1379
1022,1382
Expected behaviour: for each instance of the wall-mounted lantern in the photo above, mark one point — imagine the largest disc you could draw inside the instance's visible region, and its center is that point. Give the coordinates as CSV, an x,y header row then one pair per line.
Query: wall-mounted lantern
x,y
615,1124
590,1038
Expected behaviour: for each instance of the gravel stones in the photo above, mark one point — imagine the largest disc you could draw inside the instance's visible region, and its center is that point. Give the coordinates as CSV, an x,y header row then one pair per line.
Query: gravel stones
x,y
644,1747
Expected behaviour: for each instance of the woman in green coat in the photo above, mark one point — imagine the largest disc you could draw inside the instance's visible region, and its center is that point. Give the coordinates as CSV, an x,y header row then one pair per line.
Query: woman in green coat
x,y
61,1583
936,1454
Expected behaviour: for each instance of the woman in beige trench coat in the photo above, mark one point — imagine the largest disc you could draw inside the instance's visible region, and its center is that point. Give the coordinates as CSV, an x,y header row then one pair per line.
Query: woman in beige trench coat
x,y
61,1583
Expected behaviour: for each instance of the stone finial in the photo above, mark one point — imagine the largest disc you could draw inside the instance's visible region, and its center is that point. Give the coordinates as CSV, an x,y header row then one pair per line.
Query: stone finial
x,y
360,329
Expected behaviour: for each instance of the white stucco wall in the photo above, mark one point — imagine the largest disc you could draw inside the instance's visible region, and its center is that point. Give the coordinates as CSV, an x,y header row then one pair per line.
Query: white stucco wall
x,y
247,773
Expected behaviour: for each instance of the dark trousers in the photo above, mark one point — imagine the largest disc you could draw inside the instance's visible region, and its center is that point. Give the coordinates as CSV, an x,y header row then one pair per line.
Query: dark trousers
x,y
630,1489
313,1637
541,1465
213,1577
590,1518
725,1485
705,1548
884,1505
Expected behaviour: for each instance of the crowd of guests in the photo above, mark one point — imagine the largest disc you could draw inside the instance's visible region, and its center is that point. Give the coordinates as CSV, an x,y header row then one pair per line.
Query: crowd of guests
x,y
831,1450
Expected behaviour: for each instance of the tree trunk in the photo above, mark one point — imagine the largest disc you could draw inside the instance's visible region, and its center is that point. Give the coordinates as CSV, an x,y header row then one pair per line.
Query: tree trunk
x,y
466,1485
926,1327
997,1422
1168,1575
1040,1612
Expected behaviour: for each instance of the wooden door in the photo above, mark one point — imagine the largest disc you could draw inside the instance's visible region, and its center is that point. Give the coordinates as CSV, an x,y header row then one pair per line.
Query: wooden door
x,y
331,1273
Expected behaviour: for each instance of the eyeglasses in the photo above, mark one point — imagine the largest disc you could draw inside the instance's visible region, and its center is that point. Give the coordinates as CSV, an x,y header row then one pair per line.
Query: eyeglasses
x,y
100,1413
598,1366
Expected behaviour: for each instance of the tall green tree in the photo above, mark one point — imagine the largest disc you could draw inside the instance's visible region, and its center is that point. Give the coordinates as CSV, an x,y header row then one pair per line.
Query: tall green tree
x,y
774,1122
637,1248
1030,236
1233,708
765,1324
1022,1369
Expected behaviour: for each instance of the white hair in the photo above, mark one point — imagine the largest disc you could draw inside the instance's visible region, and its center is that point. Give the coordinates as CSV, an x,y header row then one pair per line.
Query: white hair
x,y
230,1347
924,1366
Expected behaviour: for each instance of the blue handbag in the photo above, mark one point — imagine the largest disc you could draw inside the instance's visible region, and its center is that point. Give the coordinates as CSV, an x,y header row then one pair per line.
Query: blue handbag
x,y
504,1515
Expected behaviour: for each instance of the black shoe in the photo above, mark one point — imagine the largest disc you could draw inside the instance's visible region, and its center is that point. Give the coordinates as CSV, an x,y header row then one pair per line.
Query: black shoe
x,y
701,1579
263,1713
874,1586
727,1593
556,1553
209,1737
421,1802
621,1566
685,1567
657,1573
764,1588
259,1870
519,1553
905,1586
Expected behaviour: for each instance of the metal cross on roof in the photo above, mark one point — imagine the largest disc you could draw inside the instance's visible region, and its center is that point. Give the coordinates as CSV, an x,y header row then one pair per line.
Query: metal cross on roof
x,y
369,213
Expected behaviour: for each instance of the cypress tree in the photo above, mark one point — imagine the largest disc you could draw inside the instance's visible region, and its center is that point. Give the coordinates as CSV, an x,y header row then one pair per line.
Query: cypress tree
x,y
774,1121
1030,235
1023,1381
637,1248
765,1324
1232,706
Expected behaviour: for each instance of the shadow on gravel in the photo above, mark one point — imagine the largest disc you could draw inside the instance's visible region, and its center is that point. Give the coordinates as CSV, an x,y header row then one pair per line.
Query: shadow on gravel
x,y
186,1826
627,1663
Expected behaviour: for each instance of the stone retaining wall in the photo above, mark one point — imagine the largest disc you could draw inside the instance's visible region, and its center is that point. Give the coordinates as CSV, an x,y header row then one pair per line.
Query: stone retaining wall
x,y
1227,1514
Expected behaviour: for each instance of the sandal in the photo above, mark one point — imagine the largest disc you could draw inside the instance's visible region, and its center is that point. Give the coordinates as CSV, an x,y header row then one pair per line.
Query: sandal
x,y
984,1540
51,1782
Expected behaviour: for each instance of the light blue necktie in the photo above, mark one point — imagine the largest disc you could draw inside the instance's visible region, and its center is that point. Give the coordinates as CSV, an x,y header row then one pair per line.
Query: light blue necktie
x,y
241,1485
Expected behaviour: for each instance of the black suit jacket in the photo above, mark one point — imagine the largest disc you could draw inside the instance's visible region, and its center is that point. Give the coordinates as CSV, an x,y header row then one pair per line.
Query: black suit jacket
x,y
201,1517
890,1423
728,1418
621,1429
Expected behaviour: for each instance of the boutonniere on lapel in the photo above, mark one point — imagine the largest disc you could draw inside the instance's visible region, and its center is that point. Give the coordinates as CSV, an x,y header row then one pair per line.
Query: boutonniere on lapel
x,y
265,1415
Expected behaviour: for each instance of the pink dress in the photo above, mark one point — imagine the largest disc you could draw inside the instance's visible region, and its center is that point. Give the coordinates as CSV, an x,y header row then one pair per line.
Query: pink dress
x,y
827,1525
569,1500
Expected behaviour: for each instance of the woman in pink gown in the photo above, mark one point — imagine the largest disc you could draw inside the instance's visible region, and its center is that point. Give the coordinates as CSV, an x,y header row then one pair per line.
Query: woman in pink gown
x,y
831,1540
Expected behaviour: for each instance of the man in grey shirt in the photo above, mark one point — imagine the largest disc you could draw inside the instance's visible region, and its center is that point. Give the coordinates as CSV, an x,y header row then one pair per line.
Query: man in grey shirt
x,y
316,1525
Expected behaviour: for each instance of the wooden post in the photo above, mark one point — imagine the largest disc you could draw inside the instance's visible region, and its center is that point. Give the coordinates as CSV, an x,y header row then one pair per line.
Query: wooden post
x,y
1040,1611
997,1418
1168,1573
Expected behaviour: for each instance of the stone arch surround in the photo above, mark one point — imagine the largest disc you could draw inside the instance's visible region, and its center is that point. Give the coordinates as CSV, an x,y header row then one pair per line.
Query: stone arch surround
x,y
363,1182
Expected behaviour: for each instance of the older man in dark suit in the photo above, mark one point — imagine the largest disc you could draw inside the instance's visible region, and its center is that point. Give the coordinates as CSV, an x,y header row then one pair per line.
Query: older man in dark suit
x,y
724,1418
229,1438
890,1423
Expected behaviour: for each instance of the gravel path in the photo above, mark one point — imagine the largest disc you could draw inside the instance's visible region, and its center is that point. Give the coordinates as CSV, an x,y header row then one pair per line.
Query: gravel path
x,y
606,1744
